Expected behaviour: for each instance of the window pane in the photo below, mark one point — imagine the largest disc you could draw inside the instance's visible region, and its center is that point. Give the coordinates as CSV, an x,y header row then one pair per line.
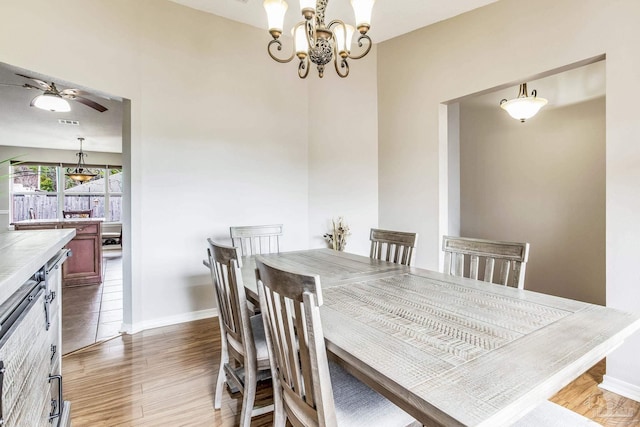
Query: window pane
x,y
115,208
115,180
33,178
85,202
35,206
95,185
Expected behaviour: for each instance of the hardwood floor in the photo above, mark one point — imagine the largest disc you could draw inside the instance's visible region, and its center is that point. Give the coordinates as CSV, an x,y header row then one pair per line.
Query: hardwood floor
x,y
166,377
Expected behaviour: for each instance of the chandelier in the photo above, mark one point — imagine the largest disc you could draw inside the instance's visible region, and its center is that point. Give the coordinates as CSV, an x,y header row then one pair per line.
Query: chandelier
x,y
80,173
524,106
315,42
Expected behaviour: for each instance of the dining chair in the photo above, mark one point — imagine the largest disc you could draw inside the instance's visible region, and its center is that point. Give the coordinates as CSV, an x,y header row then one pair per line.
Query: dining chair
x,y
308,390
242,335
256,239
77,214
393,246
511,258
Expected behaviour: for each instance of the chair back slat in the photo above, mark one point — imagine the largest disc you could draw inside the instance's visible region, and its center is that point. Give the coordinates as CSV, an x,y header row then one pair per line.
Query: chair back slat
x,y
511,257
232,303
290,304
256,239
392,246
473,266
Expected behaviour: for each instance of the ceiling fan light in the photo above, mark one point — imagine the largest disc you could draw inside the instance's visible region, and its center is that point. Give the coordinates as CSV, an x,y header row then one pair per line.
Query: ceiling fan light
x,y
51,102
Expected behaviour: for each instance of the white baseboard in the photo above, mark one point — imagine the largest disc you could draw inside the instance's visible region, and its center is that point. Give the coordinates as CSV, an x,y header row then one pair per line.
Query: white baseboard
x,y
620,387
128,328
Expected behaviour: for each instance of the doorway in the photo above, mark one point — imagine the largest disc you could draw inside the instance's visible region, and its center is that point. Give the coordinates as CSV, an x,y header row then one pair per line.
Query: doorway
x,y
46,144
550,169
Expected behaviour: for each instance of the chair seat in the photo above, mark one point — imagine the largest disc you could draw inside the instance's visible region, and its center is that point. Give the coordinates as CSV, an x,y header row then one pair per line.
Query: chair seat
x,y
549,414
358,405
262,352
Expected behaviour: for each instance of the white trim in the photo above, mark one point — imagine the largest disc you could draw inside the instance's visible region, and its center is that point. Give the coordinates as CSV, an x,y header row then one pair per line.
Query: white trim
x,y
3,212
620,387
169,320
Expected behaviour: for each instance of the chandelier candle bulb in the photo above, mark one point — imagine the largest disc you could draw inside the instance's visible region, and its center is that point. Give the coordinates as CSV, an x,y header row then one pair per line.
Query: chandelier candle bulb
x,y
276,10
300,40
344,41
362,10
308,8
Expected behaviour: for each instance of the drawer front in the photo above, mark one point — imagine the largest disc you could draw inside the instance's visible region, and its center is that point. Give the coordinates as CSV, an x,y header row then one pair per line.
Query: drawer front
x,y
25,388
84,229
35,226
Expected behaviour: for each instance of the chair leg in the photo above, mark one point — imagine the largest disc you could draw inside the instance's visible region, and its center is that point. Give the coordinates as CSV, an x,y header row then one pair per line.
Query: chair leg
x,y
217,404
248,400
279,416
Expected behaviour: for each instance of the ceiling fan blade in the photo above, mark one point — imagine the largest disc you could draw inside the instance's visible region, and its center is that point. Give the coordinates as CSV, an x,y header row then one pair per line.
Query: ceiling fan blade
x,y
41,83
73,92
10,84
87,102
28,86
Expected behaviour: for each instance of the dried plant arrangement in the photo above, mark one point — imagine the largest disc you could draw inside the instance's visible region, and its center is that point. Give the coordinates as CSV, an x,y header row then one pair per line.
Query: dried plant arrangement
x,y
337,237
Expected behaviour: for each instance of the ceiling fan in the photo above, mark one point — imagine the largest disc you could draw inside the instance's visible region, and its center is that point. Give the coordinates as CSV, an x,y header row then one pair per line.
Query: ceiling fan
x,y
54,99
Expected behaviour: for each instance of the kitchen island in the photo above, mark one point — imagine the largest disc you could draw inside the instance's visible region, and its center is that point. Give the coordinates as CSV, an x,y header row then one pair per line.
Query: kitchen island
x,y
85,267
30,328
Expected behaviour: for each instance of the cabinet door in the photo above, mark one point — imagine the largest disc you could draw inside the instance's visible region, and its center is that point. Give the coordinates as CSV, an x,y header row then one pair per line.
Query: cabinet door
x,y
84,267
26,391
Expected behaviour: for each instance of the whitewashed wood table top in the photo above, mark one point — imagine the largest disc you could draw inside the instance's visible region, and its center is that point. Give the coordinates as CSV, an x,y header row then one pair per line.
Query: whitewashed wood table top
x,y
449,350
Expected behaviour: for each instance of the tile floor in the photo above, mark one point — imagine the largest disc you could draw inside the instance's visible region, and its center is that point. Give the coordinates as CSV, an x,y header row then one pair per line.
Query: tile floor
x,y
93,313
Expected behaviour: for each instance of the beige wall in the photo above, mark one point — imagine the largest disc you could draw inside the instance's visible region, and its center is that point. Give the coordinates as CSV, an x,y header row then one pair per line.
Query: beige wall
x,y
343,153
487,48
220,134
541,182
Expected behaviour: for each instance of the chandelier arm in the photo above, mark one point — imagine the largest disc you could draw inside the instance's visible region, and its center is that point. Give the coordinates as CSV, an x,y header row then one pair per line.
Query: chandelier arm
x,y
310,32
279,48
368,48
303,67
344,65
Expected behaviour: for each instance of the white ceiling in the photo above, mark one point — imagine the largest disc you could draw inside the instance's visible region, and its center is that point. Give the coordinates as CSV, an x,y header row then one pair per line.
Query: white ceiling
x,y
390,18
561,89
26,126
103,131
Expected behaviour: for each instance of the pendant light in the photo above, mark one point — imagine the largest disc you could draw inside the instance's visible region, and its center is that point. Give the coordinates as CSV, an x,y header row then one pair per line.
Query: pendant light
x,y
80,173
524,106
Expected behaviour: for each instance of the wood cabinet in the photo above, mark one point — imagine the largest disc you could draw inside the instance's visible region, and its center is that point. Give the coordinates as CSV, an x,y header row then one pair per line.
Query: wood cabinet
x,y
85,265
30,329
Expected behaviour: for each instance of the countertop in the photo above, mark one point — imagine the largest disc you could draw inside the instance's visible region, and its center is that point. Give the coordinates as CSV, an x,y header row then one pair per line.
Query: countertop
x,y
22,253
58,221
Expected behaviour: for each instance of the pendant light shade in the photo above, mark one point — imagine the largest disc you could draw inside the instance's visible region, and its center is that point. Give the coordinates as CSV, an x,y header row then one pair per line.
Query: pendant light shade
x,y
524,106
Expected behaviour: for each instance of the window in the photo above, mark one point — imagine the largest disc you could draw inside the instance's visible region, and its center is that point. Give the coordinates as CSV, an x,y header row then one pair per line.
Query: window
x,y
43,192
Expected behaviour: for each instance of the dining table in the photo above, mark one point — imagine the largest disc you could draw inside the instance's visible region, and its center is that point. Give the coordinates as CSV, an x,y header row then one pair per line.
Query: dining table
x,y
449,350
